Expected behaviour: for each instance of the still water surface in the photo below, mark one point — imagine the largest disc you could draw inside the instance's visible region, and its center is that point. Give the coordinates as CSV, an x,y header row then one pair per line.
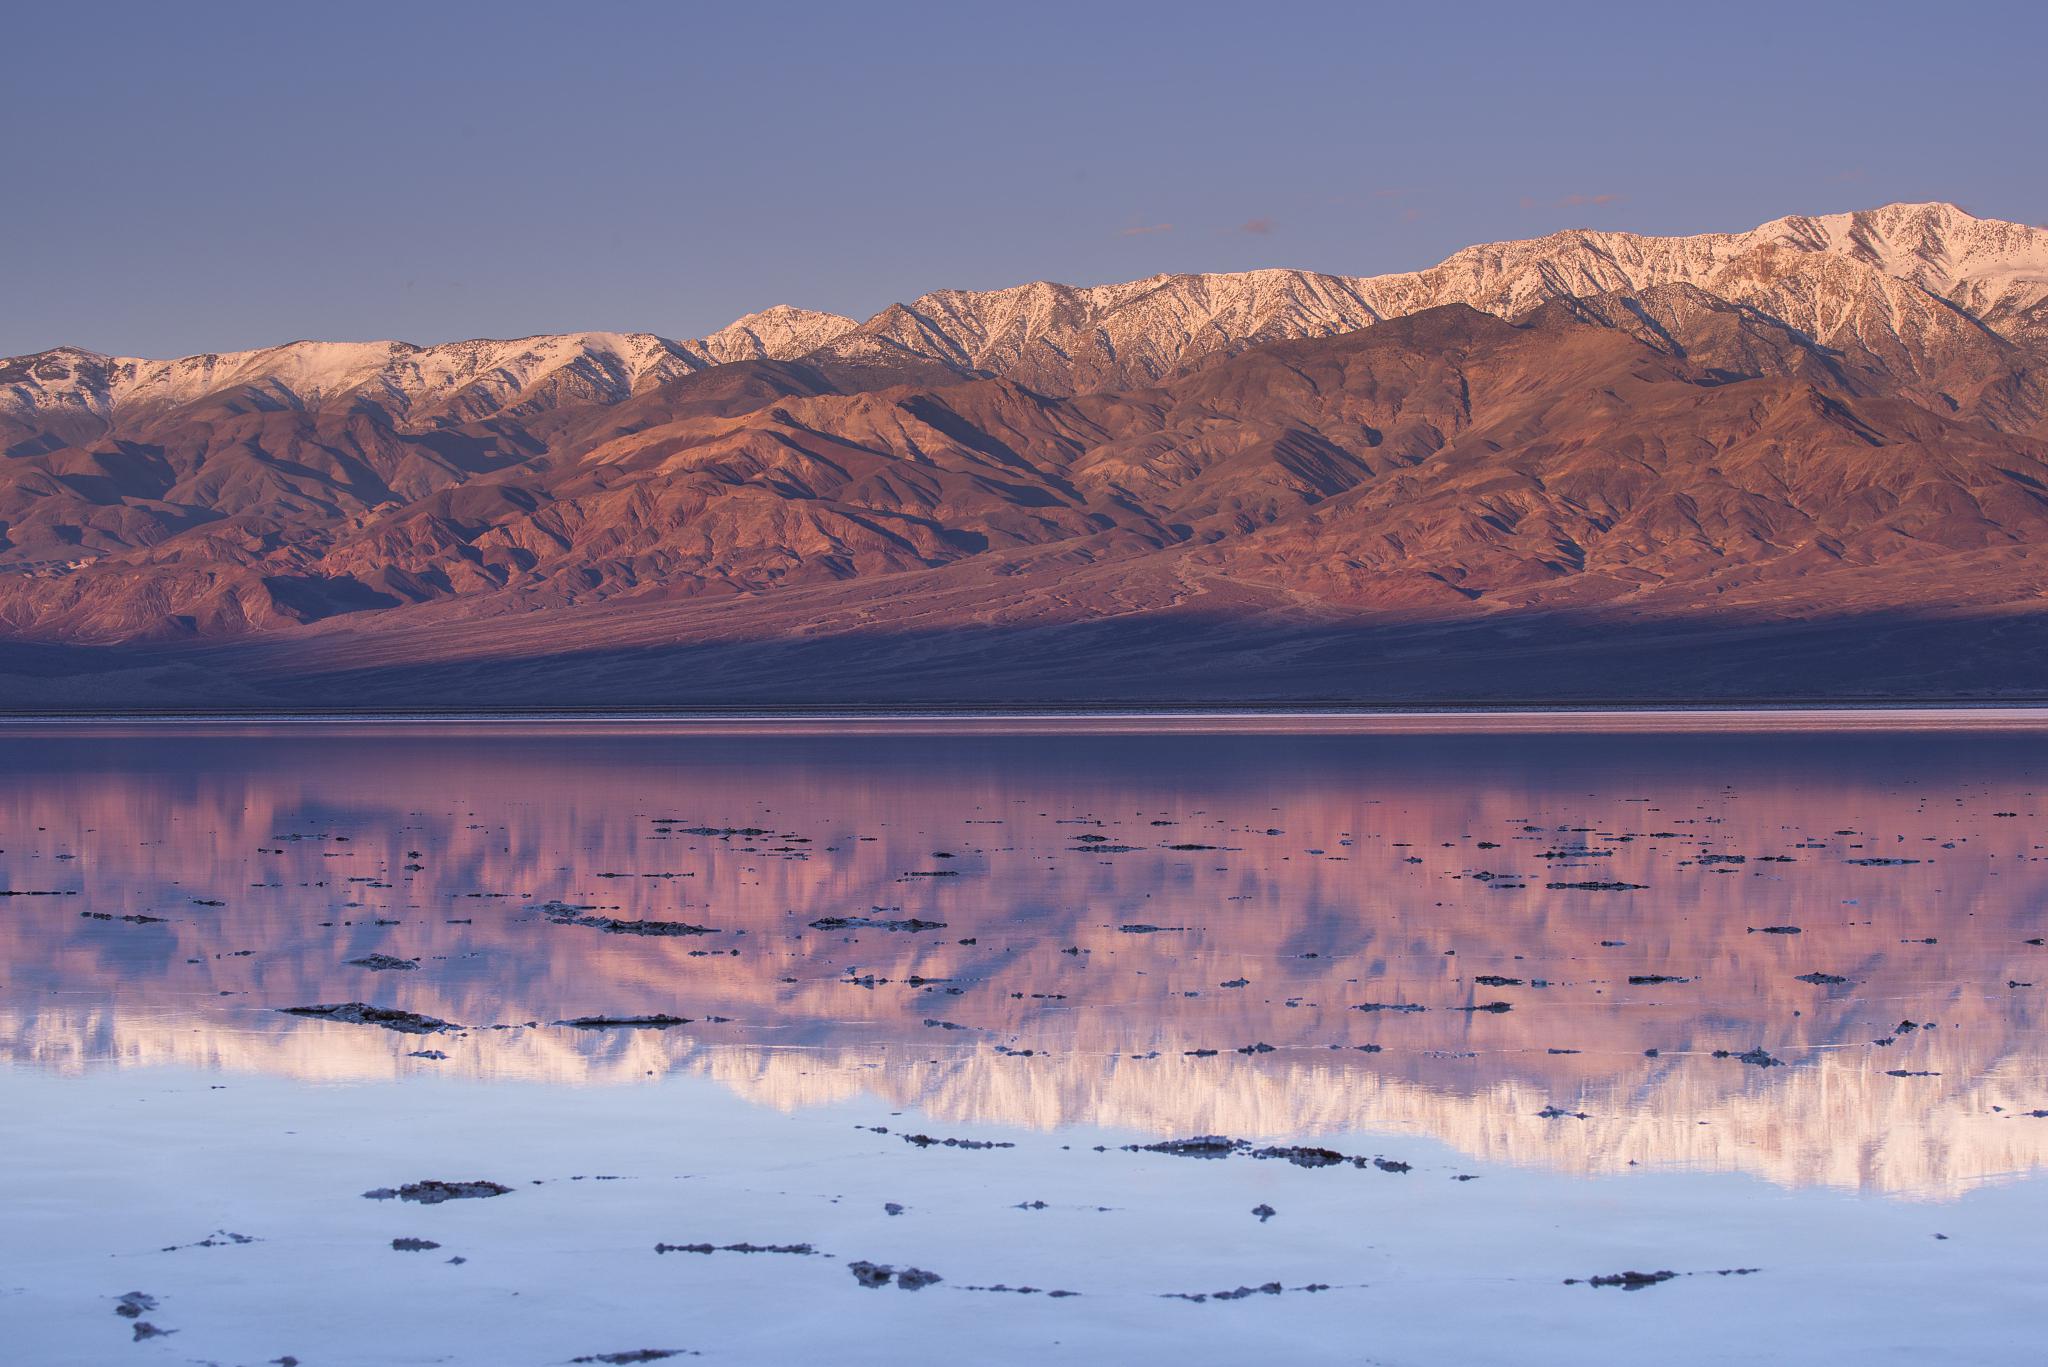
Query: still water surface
x,y
1491,1008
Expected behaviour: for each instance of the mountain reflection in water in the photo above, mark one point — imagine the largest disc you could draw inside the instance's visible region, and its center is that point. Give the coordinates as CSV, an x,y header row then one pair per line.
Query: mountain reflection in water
x,y
1112,908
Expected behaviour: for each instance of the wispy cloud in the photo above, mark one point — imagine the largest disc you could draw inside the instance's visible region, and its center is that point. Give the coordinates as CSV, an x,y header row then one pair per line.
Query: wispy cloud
x,y
1850,176
1258,227
1146,229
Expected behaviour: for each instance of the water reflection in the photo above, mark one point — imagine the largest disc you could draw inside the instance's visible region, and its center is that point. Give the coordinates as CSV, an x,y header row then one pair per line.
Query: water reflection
x,y
1173,933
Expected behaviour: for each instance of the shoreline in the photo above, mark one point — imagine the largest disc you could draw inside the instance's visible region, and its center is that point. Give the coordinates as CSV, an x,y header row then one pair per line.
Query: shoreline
x,y
1617,717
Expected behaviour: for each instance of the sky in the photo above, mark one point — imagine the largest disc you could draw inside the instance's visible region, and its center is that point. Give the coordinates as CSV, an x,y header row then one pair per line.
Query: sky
x,y
216,176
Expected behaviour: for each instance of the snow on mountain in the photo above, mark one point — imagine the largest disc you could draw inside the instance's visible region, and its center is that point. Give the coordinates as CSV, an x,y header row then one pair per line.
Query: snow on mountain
x,y
418,386
1896,279
780,333
1068,338
1821,275
1896,284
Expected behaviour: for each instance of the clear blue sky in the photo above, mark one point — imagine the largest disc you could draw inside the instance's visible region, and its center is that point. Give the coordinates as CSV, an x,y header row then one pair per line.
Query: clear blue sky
x,y
207,176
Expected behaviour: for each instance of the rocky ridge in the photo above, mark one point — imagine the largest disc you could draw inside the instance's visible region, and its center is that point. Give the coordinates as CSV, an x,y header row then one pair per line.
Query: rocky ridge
x,y
1819,418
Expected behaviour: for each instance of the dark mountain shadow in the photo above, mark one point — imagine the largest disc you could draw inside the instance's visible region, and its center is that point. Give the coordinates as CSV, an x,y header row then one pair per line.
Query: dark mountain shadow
x,y
1158,660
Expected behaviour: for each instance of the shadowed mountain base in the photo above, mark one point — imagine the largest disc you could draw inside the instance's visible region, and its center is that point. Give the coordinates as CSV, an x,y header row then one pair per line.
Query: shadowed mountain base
x,y
613,661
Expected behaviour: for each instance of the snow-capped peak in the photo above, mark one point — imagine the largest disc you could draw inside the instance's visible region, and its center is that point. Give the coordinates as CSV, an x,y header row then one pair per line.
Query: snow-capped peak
x,y
779,333
1900,272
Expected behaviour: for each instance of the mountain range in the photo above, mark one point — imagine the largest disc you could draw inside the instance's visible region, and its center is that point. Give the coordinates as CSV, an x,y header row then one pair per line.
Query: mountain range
x,y
1805,461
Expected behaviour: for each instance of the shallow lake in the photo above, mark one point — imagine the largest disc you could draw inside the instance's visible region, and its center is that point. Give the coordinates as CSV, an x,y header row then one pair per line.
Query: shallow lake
x,y
540,1043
